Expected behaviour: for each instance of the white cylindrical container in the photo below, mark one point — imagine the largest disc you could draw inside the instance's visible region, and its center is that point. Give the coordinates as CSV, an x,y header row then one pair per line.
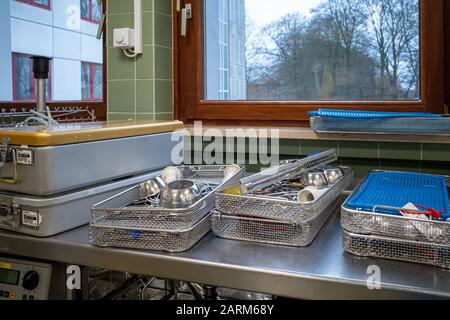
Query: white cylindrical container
x,y
310,194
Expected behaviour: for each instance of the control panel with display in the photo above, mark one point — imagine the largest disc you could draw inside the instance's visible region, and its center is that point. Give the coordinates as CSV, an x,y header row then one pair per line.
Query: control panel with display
x,y
24,280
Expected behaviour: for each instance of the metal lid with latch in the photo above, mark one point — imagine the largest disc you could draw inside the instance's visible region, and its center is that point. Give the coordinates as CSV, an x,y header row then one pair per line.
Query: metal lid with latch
x,y
40,136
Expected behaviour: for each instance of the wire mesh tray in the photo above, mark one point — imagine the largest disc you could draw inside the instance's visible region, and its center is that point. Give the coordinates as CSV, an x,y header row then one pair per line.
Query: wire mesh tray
x,y
396,226
414,125
397,249
114,212
274,174
276,232
148,239
266,208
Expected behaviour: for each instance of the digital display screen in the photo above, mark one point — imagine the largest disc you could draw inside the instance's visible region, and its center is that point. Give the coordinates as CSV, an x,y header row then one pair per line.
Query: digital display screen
x,y
9,277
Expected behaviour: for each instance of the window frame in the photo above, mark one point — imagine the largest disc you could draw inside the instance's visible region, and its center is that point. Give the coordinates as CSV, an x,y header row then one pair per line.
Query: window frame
x,y
99,107
91,17
92,66
190,104
16,55
447,54
34,4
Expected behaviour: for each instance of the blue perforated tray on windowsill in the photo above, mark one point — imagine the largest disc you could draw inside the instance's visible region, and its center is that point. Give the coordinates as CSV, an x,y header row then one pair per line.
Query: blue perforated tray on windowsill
x,y
355,114
396,189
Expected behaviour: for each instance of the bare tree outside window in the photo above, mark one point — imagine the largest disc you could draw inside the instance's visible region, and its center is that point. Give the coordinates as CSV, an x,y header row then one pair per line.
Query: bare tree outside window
x,y
339,50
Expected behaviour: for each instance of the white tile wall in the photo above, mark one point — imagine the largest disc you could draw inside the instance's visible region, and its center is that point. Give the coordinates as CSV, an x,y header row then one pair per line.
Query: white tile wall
x,y
89,28
31,38
91,49
66,44
66,14
66,80
27,12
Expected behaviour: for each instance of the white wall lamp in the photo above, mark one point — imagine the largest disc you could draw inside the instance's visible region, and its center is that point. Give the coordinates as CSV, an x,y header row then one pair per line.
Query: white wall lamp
x,y
130,40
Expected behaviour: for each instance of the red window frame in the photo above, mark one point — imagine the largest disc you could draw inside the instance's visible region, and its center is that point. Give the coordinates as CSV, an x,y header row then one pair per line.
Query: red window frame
x,y
35,4
92,66
16,55
90,18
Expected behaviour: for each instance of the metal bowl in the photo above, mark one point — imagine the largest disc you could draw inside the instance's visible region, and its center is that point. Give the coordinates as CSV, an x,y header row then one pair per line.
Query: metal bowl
x,y
333,175
180,194
315,179
151,188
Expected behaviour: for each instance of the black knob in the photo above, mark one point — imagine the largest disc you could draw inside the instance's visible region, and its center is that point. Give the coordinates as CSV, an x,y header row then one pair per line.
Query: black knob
x,y
41,67
30,280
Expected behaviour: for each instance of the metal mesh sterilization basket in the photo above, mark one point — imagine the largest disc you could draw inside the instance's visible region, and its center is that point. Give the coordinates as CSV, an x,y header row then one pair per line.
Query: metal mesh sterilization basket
x,y
274,174
276,232
390,225
148,239
414,125
395,226
397,249
264,207
115,213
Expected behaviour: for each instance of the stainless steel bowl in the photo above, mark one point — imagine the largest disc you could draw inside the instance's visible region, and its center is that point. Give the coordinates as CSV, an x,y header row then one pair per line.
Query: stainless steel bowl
x,y
180,194
315,179
333,175
151,188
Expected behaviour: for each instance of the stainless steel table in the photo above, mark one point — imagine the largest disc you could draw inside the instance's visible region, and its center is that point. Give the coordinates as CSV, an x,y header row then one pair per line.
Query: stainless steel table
x,y
321,271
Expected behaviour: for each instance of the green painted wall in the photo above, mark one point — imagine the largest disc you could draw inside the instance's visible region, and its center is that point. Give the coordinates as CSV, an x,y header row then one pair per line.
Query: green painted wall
x,y
141,88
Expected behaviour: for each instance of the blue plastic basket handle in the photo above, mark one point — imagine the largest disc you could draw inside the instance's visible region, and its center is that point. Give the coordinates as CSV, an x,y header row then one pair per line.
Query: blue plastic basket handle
x,y
354,114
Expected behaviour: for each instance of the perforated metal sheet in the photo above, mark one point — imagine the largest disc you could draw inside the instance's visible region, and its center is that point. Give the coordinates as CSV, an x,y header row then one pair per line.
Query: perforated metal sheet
x,y
115,213
395,226
418,126
259,207
147,239
287,233
396,189
396,249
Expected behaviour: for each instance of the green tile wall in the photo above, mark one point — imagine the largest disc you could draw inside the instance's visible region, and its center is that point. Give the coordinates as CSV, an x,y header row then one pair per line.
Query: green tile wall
x,y
141,88
365,156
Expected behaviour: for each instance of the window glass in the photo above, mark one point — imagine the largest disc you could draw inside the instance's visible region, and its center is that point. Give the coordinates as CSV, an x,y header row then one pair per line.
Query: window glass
x,y
86,81
85,9
45,3
98,82
23,33
23,79
39,3
23,76
96,11
92,81
315,50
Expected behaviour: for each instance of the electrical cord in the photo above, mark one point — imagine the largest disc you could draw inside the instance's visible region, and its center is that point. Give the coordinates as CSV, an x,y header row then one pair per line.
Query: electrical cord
x,y
130,53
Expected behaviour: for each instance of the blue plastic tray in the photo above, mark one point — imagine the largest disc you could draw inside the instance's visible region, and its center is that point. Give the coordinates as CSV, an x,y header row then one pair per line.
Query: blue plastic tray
x,y
396,189
354,114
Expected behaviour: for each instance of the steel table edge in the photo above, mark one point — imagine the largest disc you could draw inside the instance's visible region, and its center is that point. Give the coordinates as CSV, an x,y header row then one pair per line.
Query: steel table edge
x,y
259,279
